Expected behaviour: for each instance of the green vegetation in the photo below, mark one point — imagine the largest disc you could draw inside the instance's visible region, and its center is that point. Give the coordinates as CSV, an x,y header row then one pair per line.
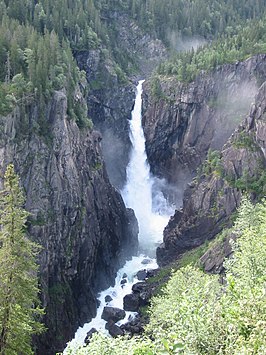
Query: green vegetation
x,y
212,164
205,18
235,45
245,140
76,20
196,314
34,63
251,184
19,304
192,257
37,39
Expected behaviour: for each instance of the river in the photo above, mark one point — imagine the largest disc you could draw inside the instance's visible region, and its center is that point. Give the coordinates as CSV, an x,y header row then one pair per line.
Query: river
x,y
141,193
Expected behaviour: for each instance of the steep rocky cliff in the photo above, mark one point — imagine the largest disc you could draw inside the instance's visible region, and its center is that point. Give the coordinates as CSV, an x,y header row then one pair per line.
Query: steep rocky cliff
x,y
183,120
112,89
212,198
77,216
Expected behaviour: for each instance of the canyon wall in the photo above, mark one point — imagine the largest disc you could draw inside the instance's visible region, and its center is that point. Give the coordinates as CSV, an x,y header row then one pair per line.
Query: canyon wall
x,y
213,196
77,216
182,121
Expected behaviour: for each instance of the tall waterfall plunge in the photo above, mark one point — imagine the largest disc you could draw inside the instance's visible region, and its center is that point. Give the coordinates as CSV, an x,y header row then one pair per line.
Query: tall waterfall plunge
x,y
142,193
150,208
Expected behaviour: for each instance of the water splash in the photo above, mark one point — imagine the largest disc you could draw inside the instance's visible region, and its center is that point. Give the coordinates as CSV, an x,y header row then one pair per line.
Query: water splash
x,y
151,210
141,193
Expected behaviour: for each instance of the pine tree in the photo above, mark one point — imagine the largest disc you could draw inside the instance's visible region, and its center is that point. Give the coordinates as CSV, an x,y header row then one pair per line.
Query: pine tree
x,y
19,310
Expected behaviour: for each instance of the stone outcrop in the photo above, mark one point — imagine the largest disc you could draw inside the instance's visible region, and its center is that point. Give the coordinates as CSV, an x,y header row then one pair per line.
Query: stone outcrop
x,y
76,214
212,198
182,121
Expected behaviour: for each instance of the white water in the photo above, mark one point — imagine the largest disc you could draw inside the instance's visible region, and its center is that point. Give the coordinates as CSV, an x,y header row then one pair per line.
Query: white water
x,y
152,212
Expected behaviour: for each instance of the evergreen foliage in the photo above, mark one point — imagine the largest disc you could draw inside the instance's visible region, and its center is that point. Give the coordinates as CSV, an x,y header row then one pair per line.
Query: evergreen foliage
x,y
235,45
37,36
196,314
206,18
19,304
34,63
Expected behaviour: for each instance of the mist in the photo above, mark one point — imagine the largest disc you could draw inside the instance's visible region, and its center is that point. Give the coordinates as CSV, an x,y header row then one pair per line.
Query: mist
x,y
181,43
115,157
232,105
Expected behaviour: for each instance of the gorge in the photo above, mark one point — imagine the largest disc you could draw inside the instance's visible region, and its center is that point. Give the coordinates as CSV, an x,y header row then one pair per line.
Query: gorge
x,y
119,179
152,212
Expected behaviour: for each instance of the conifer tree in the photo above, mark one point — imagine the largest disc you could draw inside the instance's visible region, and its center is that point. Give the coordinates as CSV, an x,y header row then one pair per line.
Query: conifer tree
x,y
19,310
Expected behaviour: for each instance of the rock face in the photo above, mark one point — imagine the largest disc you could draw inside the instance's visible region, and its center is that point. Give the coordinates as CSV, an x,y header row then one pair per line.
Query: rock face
x,y
185,120
76,214
212,198
112,93
110,102
212,261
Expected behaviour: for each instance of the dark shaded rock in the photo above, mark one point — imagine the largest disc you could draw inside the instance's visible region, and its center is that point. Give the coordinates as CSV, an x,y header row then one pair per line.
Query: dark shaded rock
x,y
197,116
98,303
113,313
108,324
89,335
110,100
77,216
134,327
210,203
108,298
123,281
142,275
139,287
212,261
124,276
115,330
131,302
146,261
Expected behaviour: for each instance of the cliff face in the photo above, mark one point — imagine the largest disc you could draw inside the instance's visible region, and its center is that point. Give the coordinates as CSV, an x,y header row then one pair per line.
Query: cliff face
x,y
77,216
211,199
110,102
112,92
184,120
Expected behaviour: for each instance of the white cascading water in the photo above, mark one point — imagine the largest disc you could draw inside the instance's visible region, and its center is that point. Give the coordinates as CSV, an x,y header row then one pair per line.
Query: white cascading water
x,y
137,193
152,212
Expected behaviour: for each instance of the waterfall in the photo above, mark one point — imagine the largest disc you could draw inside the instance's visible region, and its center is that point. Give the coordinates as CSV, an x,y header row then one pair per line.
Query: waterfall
x,y
141,193
138,194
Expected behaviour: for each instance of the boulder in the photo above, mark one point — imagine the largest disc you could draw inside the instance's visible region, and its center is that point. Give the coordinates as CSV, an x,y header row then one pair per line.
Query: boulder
x,y
146,261
113,313
133,327
108,298
89,335
139,287
115,330
131,302
142,274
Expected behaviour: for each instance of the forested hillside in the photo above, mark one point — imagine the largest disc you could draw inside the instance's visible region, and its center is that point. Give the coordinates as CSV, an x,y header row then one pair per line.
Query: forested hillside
x,y
68,67
36,38
202,18
237,45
